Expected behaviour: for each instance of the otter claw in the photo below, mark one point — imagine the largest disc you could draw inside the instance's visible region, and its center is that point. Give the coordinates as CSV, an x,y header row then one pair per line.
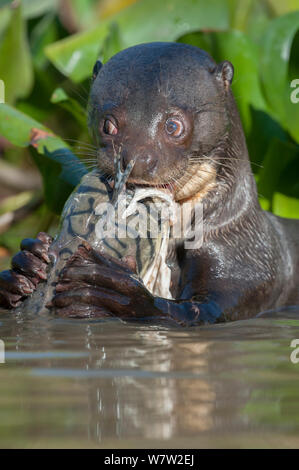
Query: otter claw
x,y
29,265
37,247
45,238
8,299
14,283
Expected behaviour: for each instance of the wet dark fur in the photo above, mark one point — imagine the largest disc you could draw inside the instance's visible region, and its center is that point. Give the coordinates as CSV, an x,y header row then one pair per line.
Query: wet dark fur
x,y
249,261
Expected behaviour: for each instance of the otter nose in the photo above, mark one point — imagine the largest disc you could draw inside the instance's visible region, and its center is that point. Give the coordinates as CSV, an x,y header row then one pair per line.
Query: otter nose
x,y
145,162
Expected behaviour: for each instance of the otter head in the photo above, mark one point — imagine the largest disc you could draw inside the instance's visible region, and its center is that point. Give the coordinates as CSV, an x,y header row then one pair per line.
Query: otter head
x,y
167,106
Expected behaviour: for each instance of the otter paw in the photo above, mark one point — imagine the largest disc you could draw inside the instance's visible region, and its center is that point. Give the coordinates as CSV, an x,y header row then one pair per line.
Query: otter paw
x,y
29,267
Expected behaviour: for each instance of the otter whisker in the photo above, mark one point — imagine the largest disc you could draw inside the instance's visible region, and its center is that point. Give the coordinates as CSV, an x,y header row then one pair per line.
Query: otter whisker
x,y
239,160
211,111
89,149
195,161
204,170
176,181
86,154
89,160
86,158
219,160
65,157
80,142
210,103
82,94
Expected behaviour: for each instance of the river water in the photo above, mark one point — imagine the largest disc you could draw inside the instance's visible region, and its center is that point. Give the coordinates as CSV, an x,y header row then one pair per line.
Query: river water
x,y
72,383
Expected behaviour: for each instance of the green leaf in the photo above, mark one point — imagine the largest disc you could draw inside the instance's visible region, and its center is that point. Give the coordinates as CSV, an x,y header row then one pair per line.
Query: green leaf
x,y
12,119
275,55
263,129
250,16
60,97
236,47
285,206
277,162
289,182
294,62
34,8
60,168
61,172
85,13
143,21
112,43
280,8
258,18
44,33
4,3
5,15
265,204
16,65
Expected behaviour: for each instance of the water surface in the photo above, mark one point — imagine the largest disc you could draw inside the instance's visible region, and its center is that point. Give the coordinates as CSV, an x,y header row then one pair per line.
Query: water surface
x,y
71,383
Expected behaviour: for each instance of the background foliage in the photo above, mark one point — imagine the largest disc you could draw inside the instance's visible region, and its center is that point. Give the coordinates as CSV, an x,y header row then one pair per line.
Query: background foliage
x,y
48,49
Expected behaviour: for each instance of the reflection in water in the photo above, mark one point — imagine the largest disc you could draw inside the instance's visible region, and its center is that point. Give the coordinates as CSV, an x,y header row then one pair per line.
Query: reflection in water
x,y
79,383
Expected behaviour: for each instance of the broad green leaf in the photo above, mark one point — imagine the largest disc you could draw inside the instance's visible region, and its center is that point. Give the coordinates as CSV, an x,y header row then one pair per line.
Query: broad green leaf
x,y
289,181
294,59
275,54
250,16
280,8
112,43
5,15
285,206
85,13
60,97
61,172
259,16
239,13
11,120
277,160
75,56
33,110
265,203
236,47
34,8
44,33
16,65
144,21
263,129
243,54
4,3
60,168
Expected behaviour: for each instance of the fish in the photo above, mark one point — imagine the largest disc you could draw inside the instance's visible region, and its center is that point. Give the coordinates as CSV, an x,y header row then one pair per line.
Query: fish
x,y
104,217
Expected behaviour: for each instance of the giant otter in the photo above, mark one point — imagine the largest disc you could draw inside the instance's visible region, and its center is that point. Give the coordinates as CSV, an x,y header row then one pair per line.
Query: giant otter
x,y
171,106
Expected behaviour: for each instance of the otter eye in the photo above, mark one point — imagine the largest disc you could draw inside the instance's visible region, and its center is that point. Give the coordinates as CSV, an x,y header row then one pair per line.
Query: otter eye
x,y
174,127
109,127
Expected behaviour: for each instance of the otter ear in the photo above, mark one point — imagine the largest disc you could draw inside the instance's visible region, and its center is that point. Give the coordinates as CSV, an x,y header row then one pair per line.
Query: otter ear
x,y
225,72
97,67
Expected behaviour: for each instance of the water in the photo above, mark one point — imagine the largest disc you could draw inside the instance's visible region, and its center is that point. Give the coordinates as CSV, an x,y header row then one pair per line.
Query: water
x,y
71,383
